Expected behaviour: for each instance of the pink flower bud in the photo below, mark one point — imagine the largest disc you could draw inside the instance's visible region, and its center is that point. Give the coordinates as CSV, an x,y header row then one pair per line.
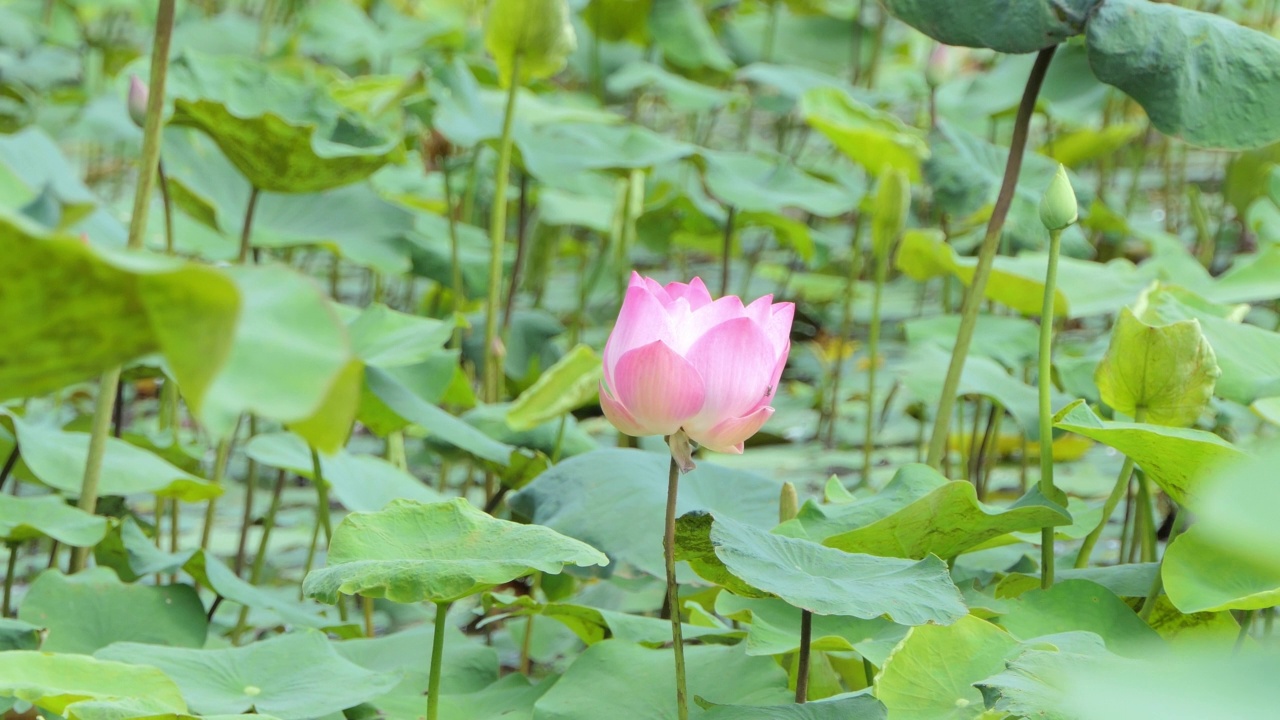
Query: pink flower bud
x,y
678,360
138,94
942,65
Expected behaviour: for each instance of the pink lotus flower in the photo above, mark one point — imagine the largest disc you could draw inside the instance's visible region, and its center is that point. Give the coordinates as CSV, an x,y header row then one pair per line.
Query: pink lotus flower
x,y
678,360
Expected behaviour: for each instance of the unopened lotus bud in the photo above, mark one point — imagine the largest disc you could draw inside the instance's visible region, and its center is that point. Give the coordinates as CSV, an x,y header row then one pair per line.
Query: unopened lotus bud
x,y
788,503
138,95
1058,208
941,65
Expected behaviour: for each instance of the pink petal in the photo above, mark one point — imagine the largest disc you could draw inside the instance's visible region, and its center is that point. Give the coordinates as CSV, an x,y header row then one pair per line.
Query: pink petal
x,y
658,388
761,310
778,327
695,291
729,435
618,415
688,330
736,361
641,321
658,291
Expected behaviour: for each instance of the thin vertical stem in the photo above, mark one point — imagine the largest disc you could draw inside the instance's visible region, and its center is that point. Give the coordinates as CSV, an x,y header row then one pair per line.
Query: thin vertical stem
x,y
437,661
259,559
1109,507
497,238
247,228
673,591
150,160
8,465
1044,381
986,256
873,351
1245,623
166,201
1158,583
522,212
846,328
8,579
97,450
220,461
250,492
802,669
727,251
1144,513
455,258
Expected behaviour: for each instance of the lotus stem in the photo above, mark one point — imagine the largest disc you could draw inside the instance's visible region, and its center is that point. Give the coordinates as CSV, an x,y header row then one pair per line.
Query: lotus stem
x,y
986,257
497,237
1045,382
802,661
673,592
1109,507
846,329
101,429
8,578
1158,583
259,559
437,661
873,351
250,491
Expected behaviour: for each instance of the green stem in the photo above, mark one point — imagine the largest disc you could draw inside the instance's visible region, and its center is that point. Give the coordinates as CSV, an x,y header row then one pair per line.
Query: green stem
x,y
1148,522
8,579
220,461
1045,382
247,228
437,661
259,559
673,591
1158,584
455,258
323,518
873,352
497,237
250,491
166,201
986,256
727,250
846,328
150,160
802,664
1109,507
107,385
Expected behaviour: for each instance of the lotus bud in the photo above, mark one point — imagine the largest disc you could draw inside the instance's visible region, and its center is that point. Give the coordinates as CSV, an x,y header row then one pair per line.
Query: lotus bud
x,y
1058,209
788,503
941,65
138,95
678,362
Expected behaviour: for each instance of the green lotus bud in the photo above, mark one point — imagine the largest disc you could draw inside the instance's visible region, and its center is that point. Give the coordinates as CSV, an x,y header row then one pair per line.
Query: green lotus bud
x,y
889,211
1058,209
535,37
788,503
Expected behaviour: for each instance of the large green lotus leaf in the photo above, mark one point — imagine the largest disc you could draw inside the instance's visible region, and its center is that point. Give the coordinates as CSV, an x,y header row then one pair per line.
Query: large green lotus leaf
x,y
281,131
352,221
1023,27
1010,341
32,165
1166,370
536,34
1074,605
573,381
90,610
966,171
773,628
680,29
755,563
818,522
18,635
930,676
1097,686
57,458
290,357
1018,282
55,680
360,482
1248,355
210,571
1200,77
593,625
293,677
874,139
436,422
383,337
511,698
1128,580
1176,459
138,708
678,92
619,20
765,184
857,707
441,552
1022,689
73,312
27,518
614,499
1252,278
555,154
1227,559
946,522
471,665
924,368
638,683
